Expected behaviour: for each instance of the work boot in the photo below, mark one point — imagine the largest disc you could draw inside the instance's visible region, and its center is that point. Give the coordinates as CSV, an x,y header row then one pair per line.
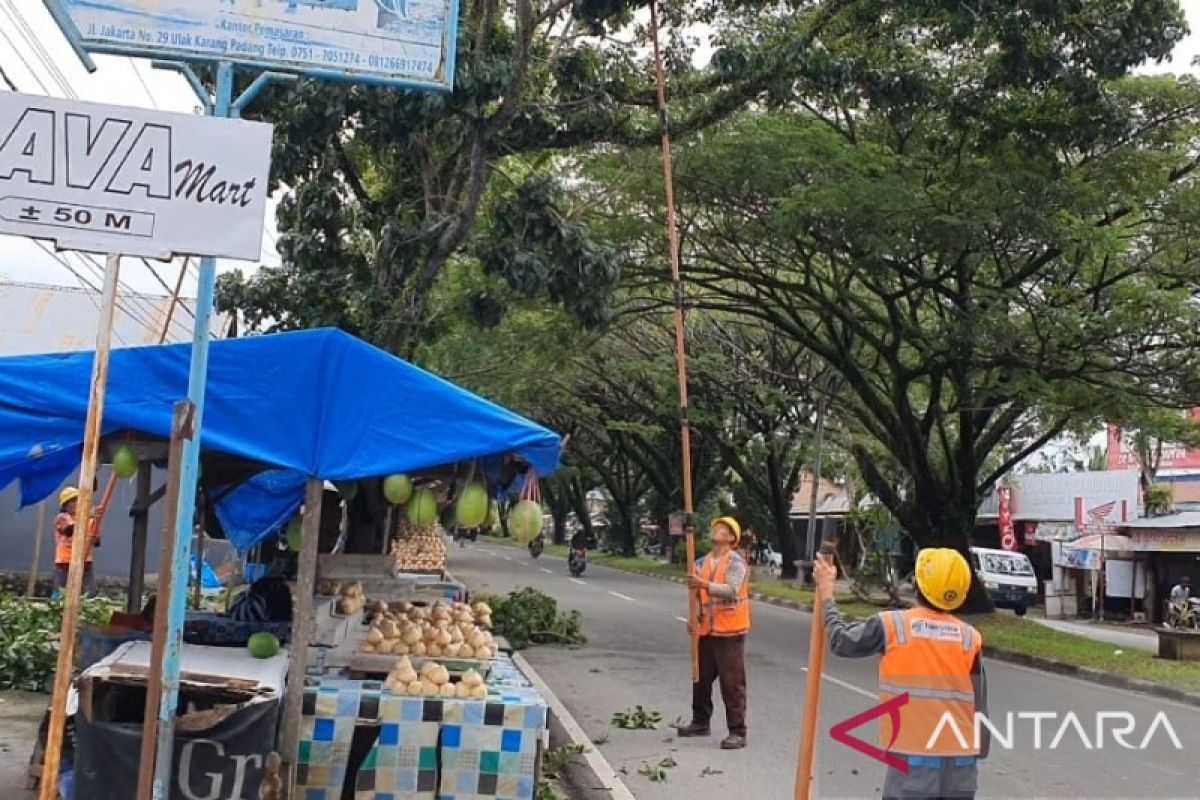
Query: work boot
x,y
733,742
692,729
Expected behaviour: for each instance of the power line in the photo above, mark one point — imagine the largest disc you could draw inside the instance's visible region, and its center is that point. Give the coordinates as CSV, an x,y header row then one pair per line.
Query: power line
x,y
13,47
12,86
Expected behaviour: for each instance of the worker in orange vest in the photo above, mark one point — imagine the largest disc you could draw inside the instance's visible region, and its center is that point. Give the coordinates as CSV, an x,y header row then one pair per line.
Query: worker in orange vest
x,y
724,584
934,658
64,532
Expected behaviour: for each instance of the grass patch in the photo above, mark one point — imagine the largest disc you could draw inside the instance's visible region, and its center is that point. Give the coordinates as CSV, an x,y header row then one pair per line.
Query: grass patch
x,y
1025,636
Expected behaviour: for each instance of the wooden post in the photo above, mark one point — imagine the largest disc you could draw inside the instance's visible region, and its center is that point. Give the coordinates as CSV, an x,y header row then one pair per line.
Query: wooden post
x,y
812,698
685,436
181,429
303,623
141,527
87,479
31,584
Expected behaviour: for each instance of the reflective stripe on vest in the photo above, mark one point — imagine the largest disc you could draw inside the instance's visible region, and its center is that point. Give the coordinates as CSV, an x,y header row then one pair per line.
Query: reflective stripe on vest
x,y
719,616
929,656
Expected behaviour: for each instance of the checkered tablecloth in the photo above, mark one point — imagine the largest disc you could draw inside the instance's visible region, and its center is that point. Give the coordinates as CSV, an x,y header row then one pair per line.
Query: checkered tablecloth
x,y
426,749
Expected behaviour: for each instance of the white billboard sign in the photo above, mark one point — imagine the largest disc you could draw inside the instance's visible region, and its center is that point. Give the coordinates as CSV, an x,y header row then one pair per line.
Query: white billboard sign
x,y
1051,497
409,42
111,179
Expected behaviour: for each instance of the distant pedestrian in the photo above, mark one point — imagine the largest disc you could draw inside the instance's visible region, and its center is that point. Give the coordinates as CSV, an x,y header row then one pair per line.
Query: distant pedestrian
x,y
64,534
1181,591
724,584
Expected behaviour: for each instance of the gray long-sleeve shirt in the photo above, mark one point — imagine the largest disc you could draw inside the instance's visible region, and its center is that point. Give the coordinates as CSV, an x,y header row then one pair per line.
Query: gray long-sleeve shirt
x,y
868,638
735,574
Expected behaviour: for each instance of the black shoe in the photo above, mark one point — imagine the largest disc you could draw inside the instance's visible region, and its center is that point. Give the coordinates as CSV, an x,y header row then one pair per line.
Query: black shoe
x,y
732,742
692,729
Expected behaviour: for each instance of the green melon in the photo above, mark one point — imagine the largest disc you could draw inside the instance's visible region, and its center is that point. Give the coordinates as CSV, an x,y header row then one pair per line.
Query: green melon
x,y
422,508
125,462
263,645
398,489
295,533
472,506
525,520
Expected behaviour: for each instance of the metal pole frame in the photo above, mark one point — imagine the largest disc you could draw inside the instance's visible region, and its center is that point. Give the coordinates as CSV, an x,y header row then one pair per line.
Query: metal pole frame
x,y
222,105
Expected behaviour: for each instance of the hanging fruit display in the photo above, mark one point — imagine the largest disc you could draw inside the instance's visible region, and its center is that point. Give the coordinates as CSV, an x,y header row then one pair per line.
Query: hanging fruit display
x,y
472,506
295,533
125,462
398,489
422,508
525,520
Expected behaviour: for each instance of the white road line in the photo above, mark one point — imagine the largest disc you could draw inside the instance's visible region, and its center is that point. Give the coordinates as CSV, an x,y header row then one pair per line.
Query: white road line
x,y
508,558
844,685
682,619
547,571
576,580
623,596
600,766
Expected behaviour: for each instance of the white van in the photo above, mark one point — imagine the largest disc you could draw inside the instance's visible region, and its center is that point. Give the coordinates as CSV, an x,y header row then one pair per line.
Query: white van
x,y
1007,576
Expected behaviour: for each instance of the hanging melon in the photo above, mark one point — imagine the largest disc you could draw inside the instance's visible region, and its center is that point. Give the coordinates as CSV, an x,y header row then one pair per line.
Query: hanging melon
x,y
125,462
295,533
398,489
525,520
472,505
422,508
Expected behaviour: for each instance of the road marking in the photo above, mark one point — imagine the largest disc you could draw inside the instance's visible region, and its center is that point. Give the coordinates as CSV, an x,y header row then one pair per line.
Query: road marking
x,y
623,596
682,619
576,580
508,558
844,685
600,766
547,571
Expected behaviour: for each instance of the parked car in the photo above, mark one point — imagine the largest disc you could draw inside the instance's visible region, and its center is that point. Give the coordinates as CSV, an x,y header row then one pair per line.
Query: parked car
x,y
1007,576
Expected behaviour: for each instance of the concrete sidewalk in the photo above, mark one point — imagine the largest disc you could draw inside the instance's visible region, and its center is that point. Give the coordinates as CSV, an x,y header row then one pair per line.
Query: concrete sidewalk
x,y
1127,638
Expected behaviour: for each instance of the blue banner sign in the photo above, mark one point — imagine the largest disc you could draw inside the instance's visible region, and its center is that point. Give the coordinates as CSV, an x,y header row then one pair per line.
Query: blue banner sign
x,y
405,42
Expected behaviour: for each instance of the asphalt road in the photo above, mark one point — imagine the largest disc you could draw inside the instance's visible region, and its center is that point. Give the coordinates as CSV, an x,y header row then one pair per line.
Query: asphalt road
x,y
637,654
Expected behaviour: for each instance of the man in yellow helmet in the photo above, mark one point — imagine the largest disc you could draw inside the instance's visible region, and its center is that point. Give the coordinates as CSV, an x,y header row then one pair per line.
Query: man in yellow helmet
x,y
931,657
724,584
64,534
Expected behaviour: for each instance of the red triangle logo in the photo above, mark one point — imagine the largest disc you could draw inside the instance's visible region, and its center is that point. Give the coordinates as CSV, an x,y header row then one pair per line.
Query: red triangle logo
x,y
841,732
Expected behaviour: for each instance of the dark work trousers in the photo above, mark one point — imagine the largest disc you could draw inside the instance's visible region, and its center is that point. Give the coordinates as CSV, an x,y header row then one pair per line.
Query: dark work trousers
x,y
722,657
951,782
61,572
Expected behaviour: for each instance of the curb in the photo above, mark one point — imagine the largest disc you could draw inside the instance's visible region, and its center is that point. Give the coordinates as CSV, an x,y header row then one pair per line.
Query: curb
x,y
1042,663
589,777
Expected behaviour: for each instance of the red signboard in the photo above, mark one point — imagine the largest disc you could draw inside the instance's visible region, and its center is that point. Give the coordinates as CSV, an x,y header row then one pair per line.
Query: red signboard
x,y
1122,456
1008,537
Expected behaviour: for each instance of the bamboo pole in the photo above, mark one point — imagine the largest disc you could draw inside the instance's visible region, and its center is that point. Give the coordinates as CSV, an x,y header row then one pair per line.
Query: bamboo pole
x,y
685,434
812,695
31,584
182,427
303,624
79,546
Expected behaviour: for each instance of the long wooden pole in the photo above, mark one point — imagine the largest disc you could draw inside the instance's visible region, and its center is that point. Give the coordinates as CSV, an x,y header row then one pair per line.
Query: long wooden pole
x,y
182,428
31,584
685,434
812,697
79,545
303,625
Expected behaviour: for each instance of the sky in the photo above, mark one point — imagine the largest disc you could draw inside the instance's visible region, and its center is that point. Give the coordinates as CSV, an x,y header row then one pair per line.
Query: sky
x,y
132,82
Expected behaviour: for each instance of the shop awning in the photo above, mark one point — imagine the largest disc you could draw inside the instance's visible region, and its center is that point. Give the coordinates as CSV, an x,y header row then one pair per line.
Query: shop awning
x,y
320,403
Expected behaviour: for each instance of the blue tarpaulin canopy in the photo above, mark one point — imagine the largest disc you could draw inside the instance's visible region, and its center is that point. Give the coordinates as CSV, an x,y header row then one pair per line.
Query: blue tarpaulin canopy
x,y
317,403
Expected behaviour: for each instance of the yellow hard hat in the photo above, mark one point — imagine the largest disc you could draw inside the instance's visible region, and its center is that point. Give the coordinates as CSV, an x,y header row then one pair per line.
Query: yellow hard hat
x,y
67,495
943,576
732,524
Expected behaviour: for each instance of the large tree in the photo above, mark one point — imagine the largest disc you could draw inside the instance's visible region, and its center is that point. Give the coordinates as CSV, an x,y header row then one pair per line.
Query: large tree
x,y
976,220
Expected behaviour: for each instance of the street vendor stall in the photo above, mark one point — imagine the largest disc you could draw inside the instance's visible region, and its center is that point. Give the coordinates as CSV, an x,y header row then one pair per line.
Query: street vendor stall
x,y
285,413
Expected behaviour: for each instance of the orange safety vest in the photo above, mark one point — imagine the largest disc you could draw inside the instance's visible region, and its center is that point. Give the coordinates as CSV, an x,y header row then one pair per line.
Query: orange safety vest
x,y
720,616
929,655
63,541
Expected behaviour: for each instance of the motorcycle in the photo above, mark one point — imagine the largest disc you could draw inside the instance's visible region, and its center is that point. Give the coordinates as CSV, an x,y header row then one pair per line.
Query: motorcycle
x,y
577,561
537,546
